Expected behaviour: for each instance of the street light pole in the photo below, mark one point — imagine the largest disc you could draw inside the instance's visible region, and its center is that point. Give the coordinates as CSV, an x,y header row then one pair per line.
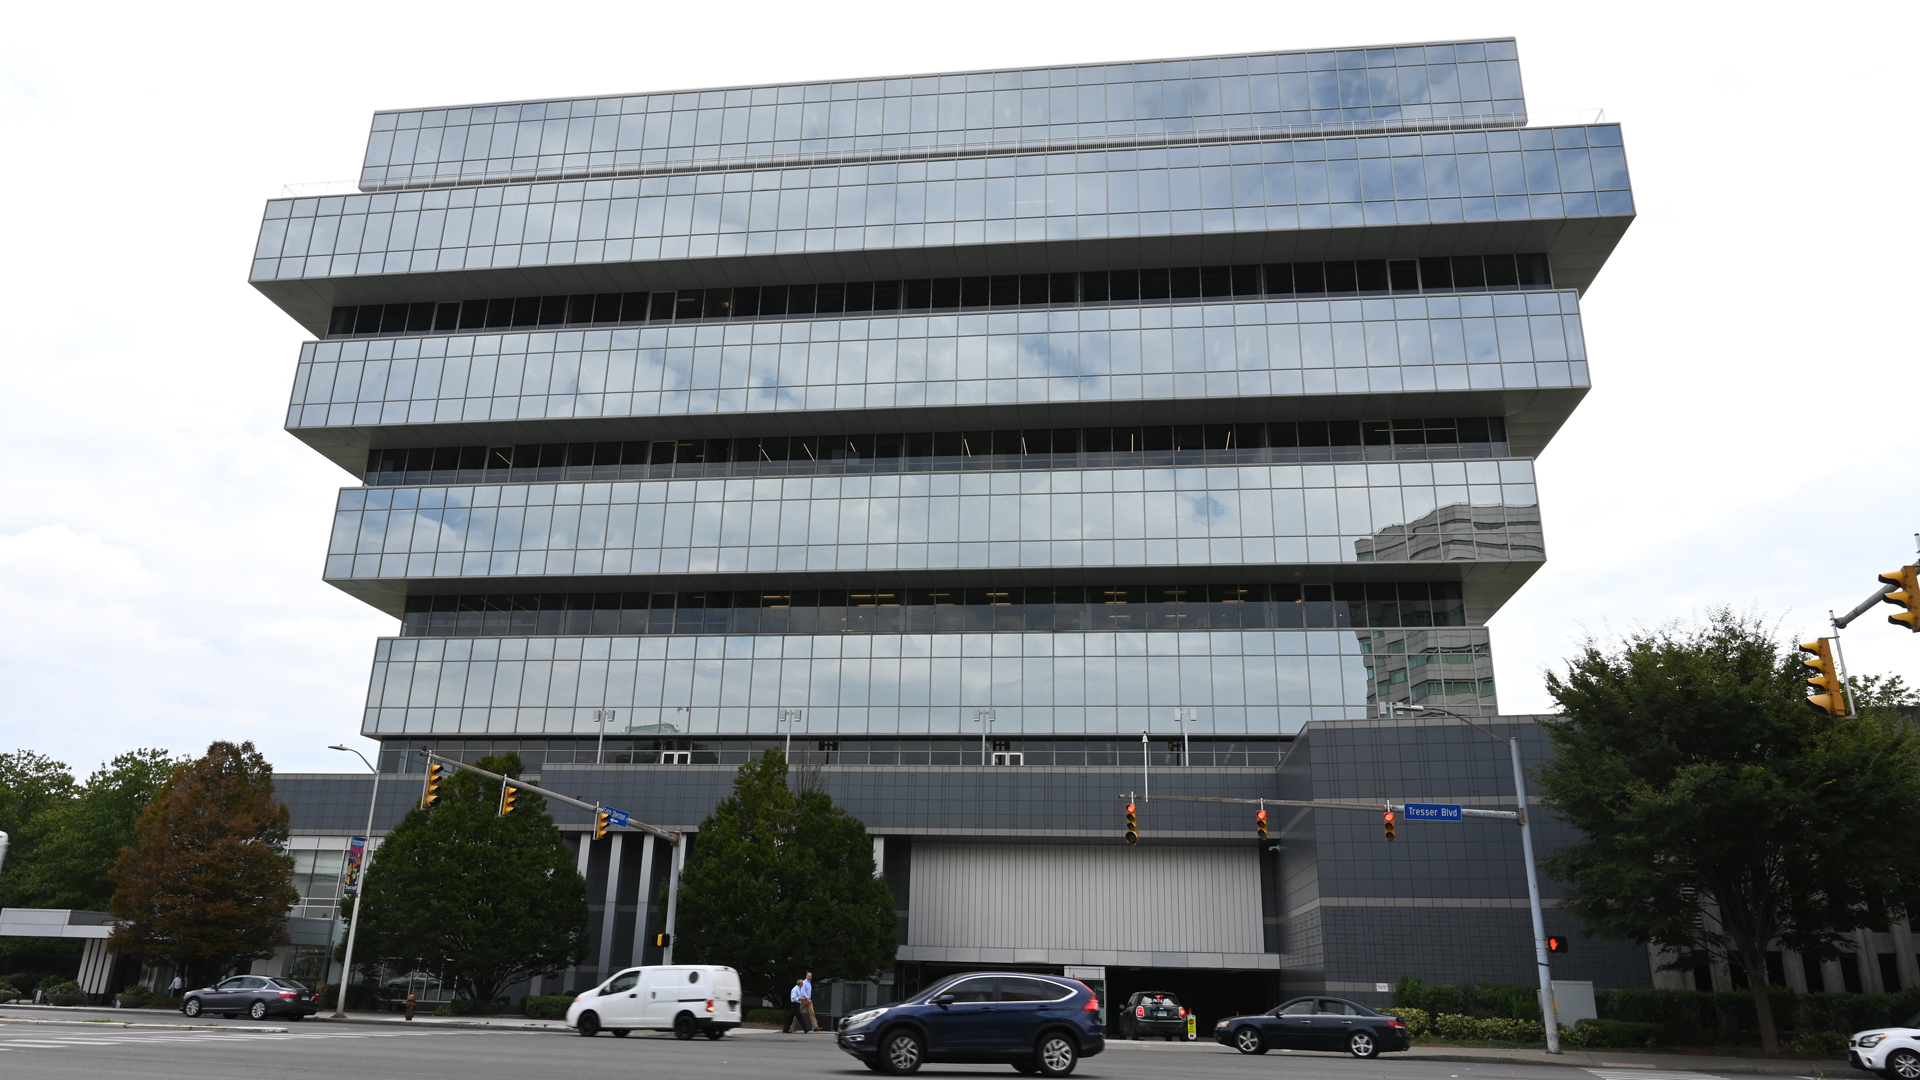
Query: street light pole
x,y
1548,1009
1184,716
366,861
602,717
985,718
789,717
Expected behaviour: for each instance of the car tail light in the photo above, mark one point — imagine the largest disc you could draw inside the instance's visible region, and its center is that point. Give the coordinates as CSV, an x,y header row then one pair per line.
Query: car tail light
x,y
1092,1005
1139,1010
288,994
709,1006
1395,1022
1183,1012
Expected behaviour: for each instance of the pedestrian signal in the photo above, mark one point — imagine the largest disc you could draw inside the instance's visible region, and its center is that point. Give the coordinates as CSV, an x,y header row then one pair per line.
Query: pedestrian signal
x,y
508,793
1905,594
1827,697
1557,944
663,940
430,797
1260,823
601,820
1389,823
1133,825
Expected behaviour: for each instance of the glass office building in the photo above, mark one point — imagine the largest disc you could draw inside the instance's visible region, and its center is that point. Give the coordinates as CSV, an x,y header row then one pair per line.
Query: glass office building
x,y
1094,417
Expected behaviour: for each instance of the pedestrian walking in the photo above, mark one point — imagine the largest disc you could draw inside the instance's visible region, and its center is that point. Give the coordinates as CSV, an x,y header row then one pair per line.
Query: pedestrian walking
x,y
174,987
806,1002
796,1015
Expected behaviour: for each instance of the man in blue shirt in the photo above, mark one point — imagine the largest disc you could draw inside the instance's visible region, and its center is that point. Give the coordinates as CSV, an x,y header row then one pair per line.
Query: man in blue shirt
x,y
796,1011
806,1003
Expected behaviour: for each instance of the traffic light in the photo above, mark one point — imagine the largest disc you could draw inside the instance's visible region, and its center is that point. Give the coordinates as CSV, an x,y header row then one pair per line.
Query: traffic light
x,y
431,796
1557,944
1827,697
1133,825
507,795
1905,594
1260,822
601,820
663,940
1389,823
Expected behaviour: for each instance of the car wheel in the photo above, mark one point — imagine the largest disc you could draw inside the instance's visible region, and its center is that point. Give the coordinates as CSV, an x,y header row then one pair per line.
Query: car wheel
x,y
1361,1045
588,1024
191,1007
1247,1040
683,1026
716,1034
258,1010
620,1033
1903,1065
1058,1054
901,1053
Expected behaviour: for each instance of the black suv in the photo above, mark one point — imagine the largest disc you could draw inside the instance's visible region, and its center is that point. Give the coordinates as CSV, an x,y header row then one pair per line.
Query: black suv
x,y
1042,1025
1153,1012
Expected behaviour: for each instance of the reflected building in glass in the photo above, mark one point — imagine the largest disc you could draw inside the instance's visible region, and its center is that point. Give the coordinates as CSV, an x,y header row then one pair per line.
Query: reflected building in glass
x,y
1062,422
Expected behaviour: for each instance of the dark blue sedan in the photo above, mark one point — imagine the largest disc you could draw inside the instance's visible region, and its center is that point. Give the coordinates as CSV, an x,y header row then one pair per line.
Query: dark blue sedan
x,y
1315,1023
1042,1025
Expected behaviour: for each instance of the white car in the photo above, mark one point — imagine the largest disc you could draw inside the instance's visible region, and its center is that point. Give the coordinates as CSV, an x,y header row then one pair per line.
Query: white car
x,y
687,999
1893,1052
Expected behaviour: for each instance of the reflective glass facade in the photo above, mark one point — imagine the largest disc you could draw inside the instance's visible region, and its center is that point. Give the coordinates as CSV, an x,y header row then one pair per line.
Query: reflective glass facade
x,y
855,399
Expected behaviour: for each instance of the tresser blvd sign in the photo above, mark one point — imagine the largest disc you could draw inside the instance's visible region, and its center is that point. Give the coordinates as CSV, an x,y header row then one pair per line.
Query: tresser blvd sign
x,y
1432,811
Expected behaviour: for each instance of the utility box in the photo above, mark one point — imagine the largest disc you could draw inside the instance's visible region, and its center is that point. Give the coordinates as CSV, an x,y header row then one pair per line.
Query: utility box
x,y
1573,1001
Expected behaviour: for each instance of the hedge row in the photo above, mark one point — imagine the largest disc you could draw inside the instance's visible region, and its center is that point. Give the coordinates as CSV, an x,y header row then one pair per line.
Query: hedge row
x,y
548,1006
1682,1017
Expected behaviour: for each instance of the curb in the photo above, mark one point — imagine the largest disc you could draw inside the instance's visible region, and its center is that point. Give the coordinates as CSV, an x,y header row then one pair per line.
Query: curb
x,y
136,1024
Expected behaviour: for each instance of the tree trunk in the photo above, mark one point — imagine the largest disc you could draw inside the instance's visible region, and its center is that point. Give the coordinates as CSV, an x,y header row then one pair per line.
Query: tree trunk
x,y
1755,959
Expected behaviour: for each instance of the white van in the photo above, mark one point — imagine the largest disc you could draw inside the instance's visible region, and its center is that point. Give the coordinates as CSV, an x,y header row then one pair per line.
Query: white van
x,y
686,999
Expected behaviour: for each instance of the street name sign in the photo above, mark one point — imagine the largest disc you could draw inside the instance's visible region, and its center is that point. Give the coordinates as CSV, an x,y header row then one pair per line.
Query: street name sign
x,y
1433,811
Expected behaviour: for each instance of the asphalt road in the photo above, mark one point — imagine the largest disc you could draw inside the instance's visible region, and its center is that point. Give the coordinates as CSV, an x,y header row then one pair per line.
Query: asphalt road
x,y
320,1050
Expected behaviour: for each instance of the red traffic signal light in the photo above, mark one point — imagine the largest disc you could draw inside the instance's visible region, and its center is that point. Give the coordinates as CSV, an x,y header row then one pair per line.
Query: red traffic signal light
x,y
1557,944
1133,825
1260,823
1388,819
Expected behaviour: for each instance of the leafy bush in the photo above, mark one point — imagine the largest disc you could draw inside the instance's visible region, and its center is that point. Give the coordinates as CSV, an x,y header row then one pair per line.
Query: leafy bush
x,y
136,992
58,984
1610,1034
765,1016
7,992
1482,1000
548,1006
1418,1021
1823,1043
445,1009
1452,1026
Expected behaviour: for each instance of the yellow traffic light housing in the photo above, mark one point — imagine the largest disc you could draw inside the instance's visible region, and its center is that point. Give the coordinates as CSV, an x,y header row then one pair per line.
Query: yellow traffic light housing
x,y
430,796
663,940
1260,822
1133,825
508,794
1388,820
1905,594
1827,697
601,821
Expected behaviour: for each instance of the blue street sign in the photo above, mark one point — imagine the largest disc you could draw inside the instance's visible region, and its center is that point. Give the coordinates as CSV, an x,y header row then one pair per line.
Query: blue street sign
x,y
619,817
1417,811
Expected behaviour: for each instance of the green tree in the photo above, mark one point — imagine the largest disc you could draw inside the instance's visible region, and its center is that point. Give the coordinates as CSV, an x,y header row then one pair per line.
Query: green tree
x,y
489,900
207,882
30,785
782,882
1720,813
75,843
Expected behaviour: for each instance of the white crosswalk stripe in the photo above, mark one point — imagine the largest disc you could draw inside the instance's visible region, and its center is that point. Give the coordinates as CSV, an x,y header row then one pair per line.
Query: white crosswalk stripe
x,y
13,1040
1650,1074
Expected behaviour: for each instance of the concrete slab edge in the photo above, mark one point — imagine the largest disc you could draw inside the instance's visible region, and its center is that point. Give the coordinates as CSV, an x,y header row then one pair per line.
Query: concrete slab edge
x,y
137,1024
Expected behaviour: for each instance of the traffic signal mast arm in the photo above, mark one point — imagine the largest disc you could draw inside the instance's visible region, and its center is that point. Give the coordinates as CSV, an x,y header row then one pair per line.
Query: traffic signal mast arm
x,y
1329,804
670,837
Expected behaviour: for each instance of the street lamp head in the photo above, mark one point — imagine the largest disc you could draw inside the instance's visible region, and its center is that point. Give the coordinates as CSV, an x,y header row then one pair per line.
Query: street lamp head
x,y
341,746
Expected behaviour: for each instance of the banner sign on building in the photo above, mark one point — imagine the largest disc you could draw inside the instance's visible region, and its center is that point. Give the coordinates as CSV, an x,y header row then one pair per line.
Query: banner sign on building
x,y
356,854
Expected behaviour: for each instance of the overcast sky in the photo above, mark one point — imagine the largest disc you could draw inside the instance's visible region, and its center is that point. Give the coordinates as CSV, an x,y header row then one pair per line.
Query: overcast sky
x,y
1752,438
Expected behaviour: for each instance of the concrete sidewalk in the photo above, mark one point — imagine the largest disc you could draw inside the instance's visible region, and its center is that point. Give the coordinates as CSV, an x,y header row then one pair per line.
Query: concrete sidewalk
x,y
1573,1059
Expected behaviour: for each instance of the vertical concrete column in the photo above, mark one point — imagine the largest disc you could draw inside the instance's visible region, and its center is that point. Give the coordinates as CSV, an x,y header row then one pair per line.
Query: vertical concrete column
x,y
580,863
610,916
96,966
879,856
1903,957
645,898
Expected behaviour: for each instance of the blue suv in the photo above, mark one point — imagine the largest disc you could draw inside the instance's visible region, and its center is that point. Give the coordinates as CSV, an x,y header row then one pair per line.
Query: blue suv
x,y
1042,1025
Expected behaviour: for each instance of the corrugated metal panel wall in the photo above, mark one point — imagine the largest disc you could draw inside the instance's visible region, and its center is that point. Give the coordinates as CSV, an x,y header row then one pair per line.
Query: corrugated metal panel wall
x,y
1018,896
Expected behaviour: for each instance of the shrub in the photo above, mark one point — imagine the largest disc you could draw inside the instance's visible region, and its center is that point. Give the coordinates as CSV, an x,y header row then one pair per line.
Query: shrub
x,y
765,1016
1610,1034
548,1006
136,991
7,992
1481,1000
1823,1043
1418,1021
57,984
1453,1026
445,1009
